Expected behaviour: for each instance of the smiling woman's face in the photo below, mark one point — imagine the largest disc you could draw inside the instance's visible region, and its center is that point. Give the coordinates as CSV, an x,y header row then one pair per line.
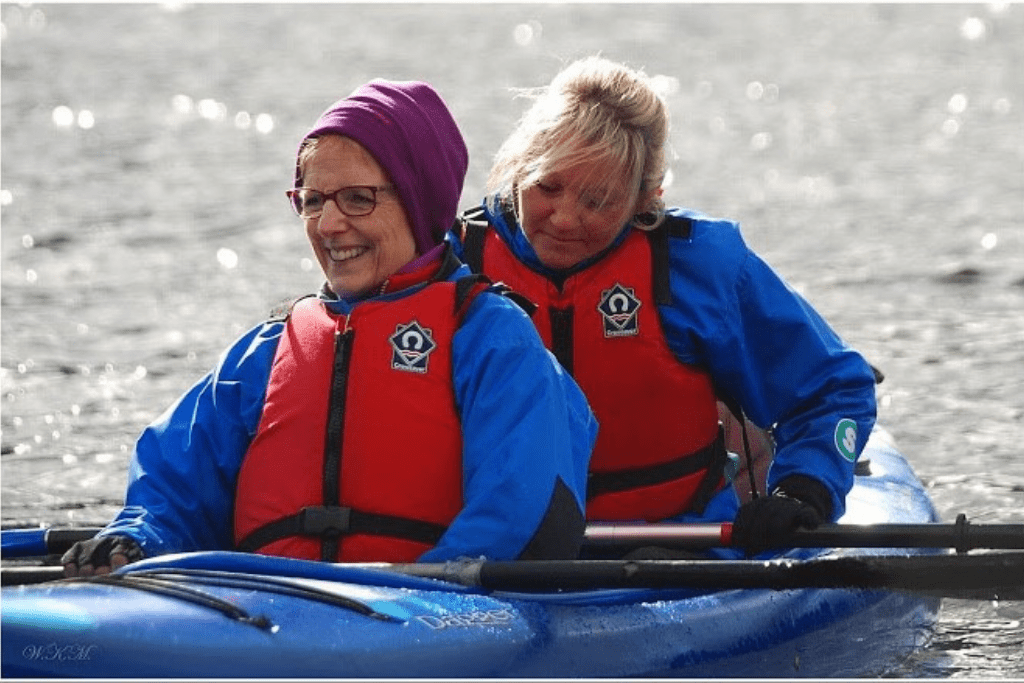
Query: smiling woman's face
x,y
574,214
357,254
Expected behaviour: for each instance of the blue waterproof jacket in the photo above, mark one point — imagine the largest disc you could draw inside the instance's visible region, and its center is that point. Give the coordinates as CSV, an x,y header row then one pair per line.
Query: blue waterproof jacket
x,y
763,344
525,423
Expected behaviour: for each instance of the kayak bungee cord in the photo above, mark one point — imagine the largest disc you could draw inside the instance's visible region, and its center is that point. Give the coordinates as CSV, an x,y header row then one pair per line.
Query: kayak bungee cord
x,y
271,584
170,589
166,583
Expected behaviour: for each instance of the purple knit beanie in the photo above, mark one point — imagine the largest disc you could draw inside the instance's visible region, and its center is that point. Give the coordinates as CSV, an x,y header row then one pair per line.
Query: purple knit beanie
x,y
412,135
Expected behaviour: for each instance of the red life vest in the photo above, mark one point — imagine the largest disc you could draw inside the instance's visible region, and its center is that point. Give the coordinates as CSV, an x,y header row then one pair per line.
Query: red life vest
x,y
358,453
658,452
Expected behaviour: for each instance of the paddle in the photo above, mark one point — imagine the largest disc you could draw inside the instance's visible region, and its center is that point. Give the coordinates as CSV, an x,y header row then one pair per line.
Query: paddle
x,y
38,542
961,535
991,576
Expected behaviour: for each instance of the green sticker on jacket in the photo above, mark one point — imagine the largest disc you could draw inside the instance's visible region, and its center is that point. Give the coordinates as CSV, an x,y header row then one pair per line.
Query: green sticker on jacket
x,y
846,439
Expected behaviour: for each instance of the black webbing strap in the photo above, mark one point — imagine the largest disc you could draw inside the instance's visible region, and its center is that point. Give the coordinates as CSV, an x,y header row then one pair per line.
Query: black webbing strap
x,y
333,522
682,227
661,266
474,235
561,335
712,457
281,311
449,264
737,412
713,479
466,290
469,287
472,226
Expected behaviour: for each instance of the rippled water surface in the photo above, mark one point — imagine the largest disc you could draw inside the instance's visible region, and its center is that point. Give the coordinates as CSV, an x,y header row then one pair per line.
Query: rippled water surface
x,y
873,153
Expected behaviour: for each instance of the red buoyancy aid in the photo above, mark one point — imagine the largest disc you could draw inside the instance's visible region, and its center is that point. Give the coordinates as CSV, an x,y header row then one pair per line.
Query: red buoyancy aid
x,y
658,452
338,469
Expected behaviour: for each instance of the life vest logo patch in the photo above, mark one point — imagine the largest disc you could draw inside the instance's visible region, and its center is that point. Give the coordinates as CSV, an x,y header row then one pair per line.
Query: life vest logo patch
x,y
412,345
618,309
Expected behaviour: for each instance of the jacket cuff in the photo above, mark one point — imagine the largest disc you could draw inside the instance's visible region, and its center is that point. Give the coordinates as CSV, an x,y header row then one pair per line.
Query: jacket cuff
x,y
807,490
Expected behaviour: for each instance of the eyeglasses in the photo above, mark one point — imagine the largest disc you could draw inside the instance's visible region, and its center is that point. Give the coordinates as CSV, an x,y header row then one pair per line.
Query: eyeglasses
x,y
358,200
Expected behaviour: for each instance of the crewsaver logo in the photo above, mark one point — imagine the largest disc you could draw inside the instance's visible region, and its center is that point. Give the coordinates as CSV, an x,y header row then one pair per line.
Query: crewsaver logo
x,y
412,345
618,309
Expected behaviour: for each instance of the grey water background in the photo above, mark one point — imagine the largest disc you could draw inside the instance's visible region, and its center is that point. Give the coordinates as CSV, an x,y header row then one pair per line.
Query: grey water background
x,y
874,155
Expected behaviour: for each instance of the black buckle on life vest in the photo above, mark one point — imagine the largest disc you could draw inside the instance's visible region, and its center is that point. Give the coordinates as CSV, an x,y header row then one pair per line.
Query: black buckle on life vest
x,y
325,521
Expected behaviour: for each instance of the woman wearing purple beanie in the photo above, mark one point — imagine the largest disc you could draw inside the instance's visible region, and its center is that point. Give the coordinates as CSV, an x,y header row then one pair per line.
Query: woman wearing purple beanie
x,y
409,411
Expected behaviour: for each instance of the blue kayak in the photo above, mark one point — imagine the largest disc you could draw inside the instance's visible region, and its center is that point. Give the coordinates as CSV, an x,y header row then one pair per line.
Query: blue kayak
x,y
222,614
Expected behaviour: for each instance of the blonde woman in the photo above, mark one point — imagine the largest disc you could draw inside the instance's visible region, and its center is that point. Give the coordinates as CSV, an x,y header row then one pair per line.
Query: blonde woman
x,y
659,313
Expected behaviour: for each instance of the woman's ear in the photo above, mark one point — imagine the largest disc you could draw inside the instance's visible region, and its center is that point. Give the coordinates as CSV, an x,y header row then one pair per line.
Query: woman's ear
x,y
650,210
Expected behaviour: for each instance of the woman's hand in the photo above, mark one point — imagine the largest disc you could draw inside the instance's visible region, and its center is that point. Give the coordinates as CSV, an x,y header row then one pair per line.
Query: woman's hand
x,y
768,522
100,555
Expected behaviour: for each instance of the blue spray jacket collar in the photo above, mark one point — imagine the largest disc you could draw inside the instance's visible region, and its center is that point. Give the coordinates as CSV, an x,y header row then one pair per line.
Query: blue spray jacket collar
x,y
501,215
440,263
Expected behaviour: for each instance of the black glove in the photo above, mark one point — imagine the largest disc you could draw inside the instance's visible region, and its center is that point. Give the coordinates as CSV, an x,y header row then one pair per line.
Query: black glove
x,y
99,555
768,521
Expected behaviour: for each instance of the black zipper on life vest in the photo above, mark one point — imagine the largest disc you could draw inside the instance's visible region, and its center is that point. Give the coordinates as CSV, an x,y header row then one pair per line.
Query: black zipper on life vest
x,y
562,335
330,521
335,434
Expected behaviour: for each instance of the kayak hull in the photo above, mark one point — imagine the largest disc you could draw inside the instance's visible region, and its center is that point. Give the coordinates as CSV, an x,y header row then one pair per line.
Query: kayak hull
x,y
274,617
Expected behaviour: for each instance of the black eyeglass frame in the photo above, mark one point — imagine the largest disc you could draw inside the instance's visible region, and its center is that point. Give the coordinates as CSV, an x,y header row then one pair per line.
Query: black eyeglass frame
x,y
373,189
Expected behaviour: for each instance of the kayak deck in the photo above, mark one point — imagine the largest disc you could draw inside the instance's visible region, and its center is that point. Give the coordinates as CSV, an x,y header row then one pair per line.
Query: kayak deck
x,y
235,615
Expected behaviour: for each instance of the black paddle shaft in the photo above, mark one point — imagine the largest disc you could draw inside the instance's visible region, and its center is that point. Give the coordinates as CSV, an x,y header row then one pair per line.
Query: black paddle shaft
x,y
58,541
996,576
962,536
990,576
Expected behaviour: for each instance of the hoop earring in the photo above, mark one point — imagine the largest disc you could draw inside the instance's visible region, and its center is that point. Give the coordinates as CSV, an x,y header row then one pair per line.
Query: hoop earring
x,y
652,217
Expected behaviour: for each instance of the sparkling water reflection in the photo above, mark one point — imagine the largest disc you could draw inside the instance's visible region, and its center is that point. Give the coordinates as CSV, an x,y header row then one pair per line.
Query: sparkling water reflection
x,y
872,153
